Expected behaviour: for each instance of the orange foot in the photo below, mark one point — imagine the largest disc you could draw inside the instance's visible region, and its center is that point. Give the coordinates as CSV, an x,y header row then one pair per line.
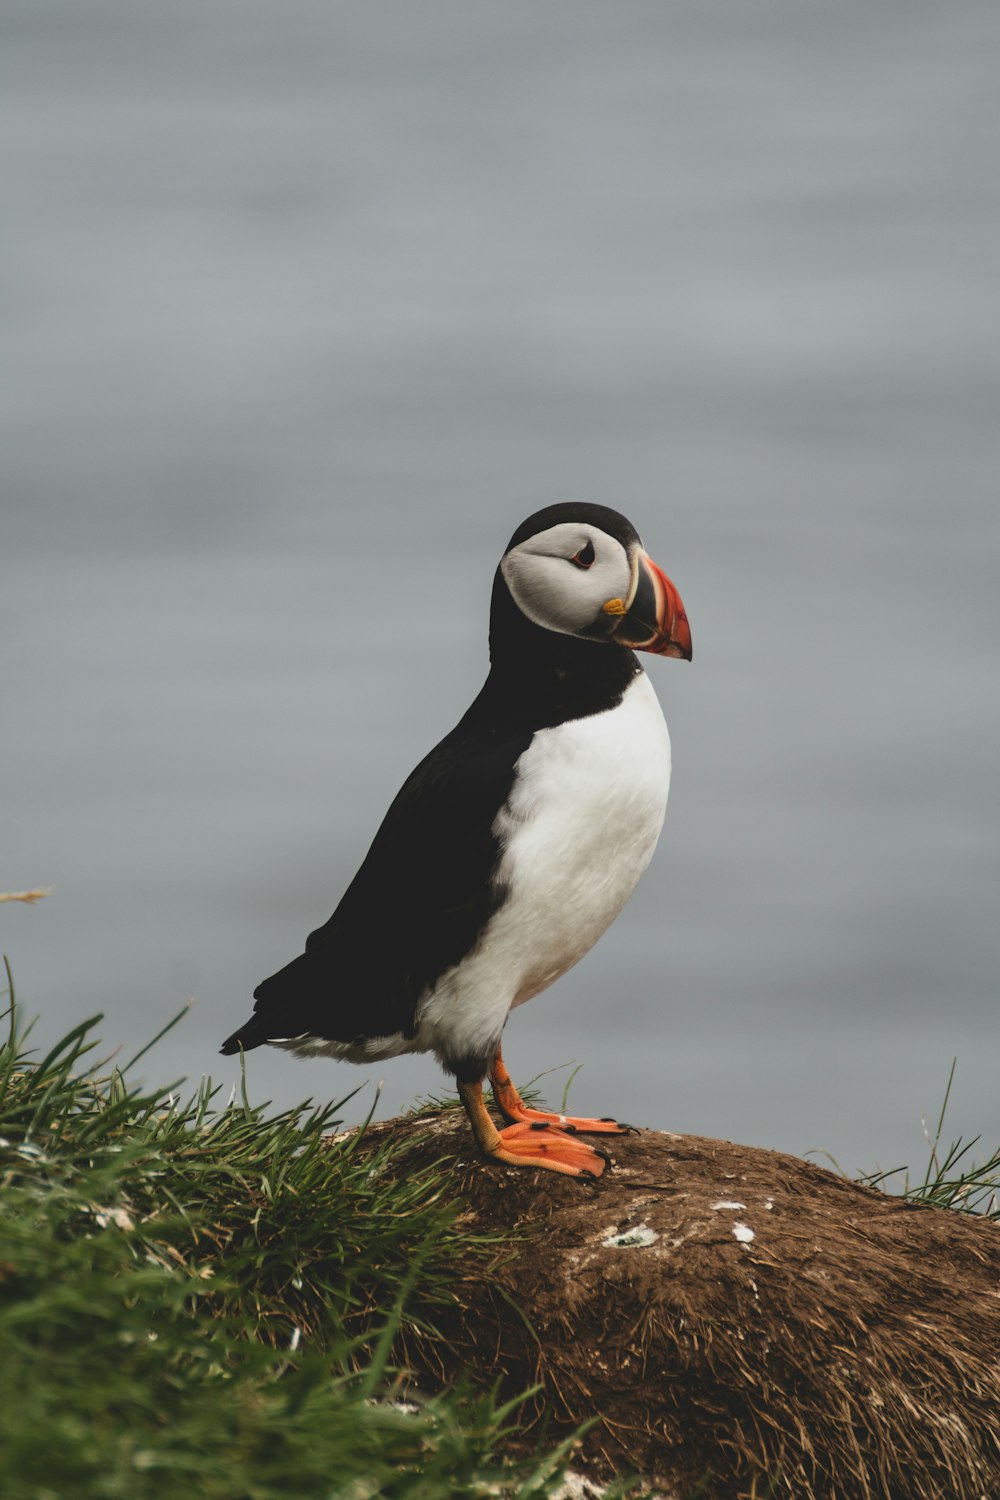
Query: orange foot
x,y
532,1144
527,1144
513,1107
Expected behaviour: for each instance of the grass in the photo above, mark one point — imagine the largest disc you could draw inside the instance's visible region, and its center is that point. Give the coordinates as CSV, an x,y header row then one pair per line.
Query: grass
x,y
952,1178
201,1299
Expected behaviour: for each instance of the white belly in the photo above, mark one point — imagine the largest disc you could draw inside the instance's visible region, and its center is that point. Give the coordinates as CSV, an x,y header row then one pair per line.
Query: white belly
x,y
577,832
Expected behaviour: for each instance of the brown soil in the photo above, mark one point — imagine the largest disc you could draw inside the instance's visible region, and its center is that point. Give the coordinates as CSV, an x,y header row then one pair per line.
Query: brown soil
x,y
849,1348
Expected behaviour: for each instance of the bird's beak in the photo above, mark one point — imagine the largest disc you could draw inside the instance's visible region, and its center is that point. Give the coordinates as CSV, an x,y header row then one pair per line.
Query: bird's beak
x,y
654,618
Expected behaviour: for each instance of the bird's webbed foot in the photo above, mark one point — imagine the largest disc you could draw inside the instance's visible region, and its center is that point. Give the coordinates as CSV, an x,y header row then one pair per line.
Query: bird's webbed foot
x,y
529,1143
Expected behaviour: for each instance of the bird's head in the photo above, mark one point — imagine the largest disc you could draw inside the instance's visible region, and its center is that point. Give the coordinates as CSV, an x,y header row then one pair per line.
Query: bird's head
x,y
582,571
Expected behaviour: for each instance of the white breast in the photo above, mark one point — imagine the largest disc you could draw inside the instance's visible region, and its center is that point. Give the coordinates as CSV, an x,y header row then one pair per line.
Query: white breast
x,y
577,831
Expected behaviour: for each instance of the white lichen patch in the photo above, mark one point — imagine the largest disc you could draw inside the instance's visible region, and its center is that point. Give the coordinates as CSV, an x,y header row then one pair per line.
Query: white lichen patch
x,y
119,1217
627,1239
401,1404
577,1487
728,1203
743,1233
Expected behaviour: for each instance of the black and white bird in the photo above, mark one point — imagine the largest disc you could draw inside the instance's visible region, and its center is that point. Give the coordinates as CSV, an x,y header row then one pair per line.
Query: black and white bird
x,y
513,845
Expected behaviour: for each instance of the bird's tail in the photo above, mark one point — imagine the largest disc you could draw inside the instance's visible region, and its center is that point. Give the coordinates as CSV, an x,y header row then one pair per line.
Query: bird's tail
x,y
253,1033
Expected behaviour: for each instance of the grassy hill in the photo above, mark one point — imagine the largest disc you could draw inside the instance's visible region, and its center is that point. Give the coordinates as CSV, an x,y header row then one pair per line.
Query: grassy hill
x,y
197,1298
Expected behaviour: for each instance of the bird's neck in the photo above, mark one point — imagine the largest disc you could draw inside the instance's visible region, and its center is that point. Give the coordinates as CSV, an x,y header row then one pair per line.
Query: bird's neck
x,y
560,675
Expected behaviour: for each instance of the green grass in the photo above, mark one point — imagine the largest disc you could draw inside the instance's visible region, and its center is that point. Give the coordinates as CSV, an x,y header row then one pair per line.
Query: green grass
x,y
200,1299
953,1178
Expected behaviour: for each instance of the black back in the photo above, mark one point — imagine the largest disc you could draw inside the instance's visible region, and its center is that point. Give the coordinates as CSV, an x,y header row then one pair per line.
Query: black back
x,y
426,888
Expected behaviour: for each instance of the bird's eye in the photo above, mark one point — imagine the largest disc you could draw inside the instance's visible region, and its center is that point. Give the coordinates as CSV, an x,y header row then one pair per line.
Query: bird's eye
x,y
585,556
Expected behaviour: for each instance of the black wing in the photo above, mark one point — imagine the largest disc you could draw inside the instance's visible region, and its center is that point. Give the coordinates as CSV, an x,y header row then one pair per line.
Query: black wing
x,y
416,906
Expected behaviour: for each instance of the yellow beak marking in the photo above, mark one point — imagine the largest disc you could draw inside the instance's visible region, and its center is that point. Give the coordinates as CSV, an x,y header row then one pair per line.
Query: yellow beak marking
x,y
614,607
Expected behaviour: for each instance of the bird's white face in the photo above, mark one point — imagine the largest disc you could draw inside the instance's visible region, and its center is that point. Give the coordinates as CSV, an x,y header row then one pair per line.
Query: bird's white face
x,y
578,580
563,577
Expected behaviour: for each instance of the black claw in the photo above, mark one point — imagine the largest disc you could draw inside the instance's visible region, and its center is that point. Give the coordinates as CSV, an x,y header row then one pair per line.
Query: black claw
x,y
602,1154
569,1129
540,1125
629,1129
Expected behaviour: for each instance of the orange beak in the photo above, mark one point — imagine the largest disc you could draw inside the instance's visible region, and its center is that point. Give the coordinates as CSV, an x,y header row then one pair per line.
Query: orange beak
x,y
655,619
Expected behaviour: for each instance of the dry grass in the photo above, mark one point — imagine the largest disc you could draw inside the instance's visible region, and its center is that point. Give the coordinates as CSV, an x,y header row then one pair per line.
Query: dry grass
x,y
847,1351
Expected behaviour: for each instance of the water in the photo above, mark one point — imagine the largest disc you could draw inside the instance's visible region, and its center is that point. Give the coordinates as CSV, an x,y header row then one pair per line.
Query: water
x,y
306,308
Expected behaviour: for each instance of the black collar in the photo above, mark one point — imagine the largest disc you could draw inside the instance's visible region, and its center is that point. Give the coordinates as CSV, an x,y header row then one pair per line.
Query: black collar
x,y
546,677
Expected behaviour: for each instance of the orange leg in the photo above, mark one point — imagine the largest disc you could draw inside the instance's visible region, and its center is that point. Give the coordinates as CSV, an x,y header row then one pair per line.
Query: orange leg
x,y
527,1144
513,1107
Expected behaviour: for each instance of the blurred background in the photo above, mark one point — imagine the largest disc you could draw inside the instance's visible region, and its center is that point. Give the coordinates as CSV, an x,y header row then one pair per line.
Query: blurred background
x,y
306,307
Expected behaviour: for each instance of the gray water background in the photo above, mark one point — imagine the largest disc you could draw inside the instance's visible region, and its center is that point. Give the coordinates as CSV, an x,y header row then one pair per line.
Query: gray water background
x,y
306,306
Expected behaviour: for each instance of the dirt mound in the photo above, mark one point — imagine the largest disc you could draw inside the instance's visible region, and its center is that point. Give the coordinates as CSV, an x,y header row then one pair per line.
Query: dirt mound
x,y
742,1323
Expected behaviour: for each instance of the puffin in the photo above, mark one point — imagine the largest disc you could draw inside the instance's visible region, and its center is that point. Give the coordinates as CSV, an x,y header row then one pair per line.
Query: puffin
x,y
512,846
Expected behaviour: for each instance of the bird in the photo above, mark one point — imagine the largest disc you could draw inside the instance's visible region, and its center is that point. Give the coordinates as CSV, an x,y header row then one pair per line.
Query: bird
x,y
512,846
